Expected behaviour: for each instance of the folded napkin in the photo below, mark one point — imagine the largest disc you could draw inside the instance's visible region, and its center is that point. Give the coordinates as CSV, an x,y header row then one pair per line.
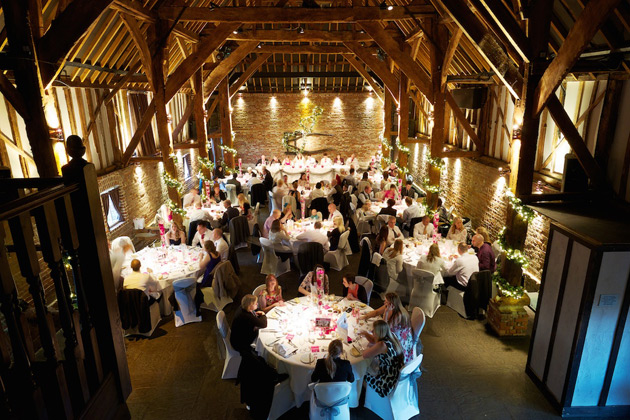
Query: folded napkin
x,y
283,349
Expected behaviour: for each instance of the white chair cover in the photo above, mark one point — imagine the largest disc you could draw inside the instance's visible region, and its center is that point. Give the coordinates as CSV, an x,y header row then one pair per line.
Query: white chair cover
x,y
337,258
402,402
289,199
231,193
282,401
185,290
380,221
418,320
455,301
422,294
272,264
367,284
232,357
120,242
330,401
258,290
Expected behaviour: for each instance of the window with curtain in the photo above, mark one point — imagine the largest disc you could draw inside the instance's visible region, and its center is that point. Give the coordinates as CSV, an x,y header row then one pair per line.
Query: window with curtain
x,y
112,207
187,167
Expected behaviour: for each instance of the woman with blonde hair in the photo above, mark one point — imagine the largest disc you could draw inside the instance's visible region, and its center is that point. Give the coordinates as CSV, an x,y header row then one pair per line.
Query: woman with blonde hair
x,y
397,317
333,368
241,202
484,232
394,258
457,232
336,233
175,235
432,261
386,350
271,296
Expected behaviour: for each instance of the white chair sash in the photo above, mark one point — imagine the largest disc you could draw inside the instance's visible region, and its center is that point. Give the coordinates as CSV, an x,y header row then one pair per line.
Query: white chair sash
x,y
330,411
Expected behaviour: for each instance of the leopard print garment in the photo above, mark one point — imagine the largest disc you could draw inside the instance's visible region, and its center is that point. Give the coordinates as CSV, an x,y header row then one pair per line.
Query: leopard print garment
x,y
389,370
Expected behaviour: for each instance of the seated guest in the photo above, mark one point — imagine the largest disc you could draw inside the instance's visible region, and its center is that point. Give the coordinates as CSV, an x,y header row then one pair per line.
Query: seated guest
x,y
399,322
241,202
234,181
220,244
267,179
210,260
389,210
335,234
443,213
191,198
175,236
352,162
253,180
385,348
276,214
457,232
338,160
333,368
463,267
391,193
366,194
218,171
393,256
365,211
326,161
246,324
316,215
280,189
485,254
262,161
409,191
271,296
424,229
202,234
303,182
286,161
432,261
278,234
229,213
199,214
316,278
315,235
380,243
484,232
317,192
393,231
385,181
299,160
142,281
364,182
353,290
333,212
275,160
349,179
411,212
393,170
217,195
311,161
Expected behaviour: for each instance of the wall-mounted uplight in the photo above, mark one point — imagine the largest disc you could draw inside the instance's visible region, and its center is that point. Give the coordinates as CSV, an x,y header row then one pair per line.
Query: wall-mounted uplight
x,y
503,171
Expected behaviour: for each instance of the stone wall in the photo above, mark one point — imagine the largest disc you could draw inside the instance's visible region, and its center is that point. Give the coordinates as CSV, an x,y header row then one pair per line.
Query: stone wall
x,y
354,119
476,190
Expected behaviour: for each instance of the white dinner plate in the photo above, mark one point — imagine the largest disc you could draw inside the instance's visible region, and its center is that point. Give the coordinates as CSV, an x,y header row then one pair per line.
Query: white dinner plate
x,y
307,358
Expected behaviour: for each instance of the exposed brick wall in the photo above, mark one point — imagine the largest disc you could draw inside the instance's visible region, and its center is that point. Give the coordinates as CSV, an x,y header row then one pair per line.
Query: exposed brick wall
x,y
354,119
477,191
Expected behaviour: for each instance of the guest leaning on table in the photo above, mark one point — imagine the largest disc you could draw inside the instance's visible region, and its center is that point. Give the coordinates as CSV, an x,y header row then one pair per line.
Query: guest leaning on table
x,y
311,278
271,296
461,270
333,368
397,317
385,348
142,281
424,229
353,290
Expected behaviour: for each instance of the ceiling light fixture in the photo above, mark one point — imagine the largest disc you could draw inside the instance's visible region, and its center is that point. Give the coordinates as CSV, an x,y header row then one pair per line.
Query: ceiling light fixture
x,y
300,30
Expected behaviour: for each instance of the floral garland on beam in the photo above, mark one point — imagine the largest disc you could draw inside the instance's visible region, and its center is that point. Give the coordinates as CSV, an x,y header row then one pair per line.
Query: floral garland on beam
x,y
435,162
174,157
434,189
227,149
525,212
515,255
505,287
172,182
175,208
401,147
205,163
385,143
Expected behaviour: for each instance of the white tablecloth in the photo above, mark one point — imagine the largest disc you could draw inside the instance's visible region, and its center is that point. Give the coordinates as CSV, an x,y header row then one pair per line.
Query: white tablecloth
x,y
294,229
296,319
317,172
412,252
168,264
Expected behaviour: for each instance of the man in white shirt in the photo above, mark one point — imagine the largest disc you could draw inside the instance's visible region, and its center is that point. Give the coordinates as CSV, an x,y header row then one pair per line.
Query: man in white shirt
x,y
352,161
410,212
394,231
317,192
350,180
220,245
315,235
202,234
326,161
253,180
192,198
199,214
424,228
333,212
142,281
463,267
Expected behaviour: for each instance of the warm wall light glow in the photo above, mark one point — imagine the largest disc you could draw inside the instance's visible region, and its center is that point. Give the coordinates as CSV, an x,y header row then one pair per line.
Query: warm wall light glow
x,y
369,104
273,102
50,114
305,101
337,102
60,154
305,92
240,102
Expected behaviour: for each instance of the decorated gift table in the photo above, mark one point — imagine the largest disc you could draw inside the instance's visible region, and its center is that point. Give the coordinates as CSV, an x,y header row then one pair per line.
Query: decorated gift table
x,y
299,333
167,265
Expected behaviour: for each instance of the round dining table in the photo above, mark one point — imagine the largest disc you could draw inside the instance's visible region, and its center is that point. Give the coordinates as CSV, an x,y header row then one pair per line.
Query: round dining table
x,y
292,341
167,265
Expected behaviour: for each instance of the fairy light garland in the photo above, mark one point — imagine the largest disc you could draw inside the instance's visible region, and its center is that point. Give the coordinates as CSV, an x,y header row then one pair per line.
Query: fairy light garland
x,y
172,182
523,211
174,157
434,189
227,149
205,163
66,262
515,255
175,208
401,147
435,162
385,143
505,287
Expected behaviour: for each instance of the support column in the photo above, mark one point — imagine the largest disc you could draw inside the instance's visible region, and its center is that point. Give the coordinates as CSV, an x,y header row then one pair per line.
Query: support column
x,y
200,119
403,119
387,126
226,120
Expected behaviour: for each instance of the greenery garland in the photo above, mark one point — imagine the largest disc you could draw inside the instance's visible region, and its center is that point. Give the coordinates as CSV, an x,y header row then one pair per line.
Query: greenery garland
x,y
515,255
227,149
172,182
435,162
202,177
434,189
306,127
401,147
307,123
175,208
525,212
385,143
505,288
288,135
205,163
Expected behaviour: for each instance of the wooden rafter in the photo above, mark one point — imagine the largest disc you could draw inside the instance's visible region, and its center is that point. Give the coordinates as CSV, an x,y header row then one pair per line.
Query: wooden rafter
x,y
251,69
11,93
377,66
511,29
450,53
292,35
139,40
354,62
459,115
226,65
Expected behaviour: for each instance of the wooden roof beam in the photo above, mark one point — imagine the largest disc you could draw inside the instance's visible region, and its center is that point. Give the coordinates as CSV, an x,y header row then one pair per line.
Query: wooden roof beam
x,y
285,35
14,97
304,49
221,71
248,73
354,62
141,43
410,67
505,21
64,32
377,66
294,14
450,53
486,44
588,23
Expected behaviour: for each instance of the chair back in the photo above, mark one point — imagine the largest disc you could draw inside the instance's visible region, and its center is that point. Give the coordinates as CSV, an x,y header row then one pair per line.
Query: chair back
x,y
367,284
258,193
309,255
259,289
380,220
222,326
365,262
412,224
256,210
230,189
321,205
289,199
411,366
343,240
239,230
417,322
331,392
478,292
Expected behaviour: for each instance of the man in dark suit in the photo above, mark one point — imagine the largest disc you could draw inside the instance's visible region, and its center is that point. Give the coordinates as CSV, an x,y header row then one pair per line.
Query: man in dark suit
x,y
268,180
234,181
389,210
229,214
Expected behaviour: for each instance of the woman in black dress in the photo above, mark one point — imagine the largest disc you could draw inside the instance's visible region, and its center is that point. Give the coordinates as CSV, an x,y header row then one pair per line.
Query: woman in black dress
x,y
333,368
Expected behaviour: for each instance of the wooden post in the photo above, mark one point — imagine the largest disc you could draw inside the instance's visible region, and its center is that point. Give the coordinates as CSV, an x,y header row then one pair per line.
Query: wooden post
x,y
387,126
200,118
226,120
27,79
403,119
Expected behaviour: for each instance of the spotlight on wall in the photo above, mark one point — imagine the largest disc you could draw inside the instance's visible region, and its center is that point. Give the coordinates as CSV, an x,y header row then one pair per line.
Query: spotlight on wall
x,y
300,30
504,171
384,6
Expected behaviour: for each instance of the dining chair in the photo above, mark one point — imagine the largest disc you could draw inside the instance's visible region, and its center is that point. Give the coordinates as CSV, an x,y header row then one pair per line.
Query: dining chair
x,y
422,294
184,291
330,401
272,264
232,357
418,320
367,284
337,258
